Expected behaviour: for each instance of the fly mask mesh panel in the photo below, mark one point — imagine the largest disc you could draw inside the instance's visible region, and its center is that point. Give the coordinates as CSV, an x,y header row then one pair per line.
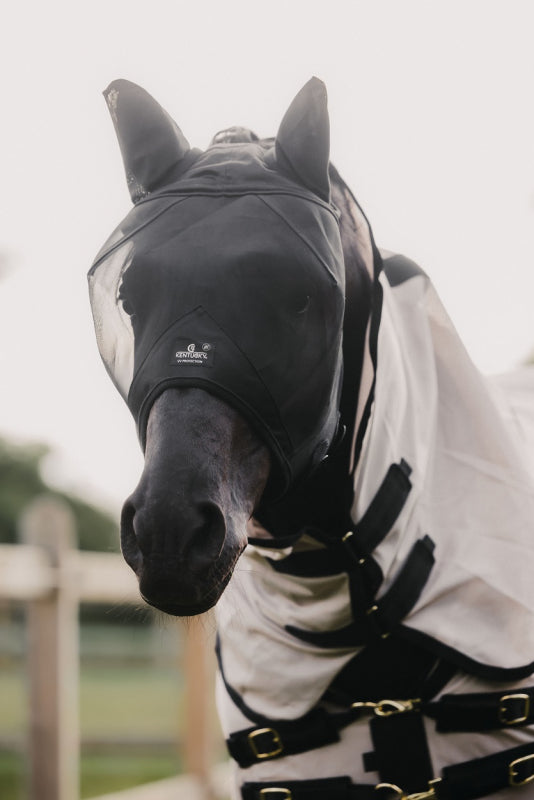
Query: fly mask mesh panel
x,y
240,293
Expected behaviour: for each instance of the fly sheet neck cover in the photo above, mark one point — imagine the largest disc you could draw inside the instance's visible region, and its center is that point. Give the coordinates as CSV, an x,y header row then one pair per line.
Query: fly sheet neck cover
x,y
227,275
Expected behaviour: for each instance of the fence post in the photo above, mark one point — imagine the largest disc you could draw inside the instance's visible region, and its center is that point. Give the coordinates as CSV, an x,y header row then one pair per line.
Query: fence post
x,y
198,687
53,659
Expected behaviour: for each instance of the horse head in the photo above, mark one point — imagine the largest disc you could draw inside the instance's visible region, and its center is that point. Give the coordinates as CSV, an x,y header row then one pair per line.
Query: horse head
x,y
218,305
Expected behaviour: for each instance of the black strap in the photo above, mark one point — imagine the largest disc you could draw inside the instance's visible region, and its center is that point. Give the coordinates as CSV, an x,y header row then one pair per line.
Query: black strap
x,y
379,619
399,738
482,777
482,711
311,563
359,542
406,589
334,559
320,789
384,509
401,753
279,738
469,780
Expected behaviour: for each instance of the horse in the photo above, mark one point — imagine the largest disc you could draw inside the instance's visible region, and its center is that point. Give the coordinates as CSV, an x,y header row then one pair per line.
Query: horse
x,y
324,464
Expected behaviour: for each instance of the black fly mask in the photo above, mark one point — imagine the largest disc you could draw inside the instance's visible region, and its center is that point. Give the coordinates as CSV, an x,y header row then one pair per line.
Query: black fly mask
x,y
228,275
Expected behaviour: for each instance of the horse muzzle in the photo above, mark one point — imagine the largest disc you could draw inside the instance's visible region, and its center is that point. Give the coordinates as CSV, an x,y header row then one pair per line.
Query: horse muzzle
x,y
184,568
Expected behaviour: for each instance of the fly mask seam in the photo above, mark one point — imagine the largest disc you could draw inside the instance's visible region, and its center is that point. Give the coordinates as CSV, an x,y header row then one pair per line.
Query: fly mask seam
x,y
302,238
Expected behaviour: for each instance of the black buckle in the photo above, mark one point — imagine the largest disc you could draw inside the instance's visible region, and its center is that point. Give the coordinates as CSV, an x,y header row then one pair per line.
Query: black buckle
x,y
516,778
514,704
275,744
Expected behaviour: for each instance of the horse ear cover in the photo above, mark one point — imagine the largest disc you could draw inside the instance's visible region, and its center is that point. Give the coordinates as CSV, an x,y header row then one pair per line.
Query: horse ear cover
x,y
303,138
152,145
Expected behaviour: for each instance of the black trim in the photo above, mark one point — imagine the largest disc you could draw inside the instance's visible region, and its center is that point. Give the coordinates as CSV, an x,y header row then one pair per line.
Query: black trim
x,y
399,268
234,695
470,665
369,676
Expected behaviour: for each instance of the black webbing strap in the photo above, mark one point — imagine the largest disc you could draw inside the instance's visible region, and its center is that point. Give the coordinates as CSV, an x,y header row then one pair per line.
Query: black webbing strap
x,y
401,753
469,780
320,789
311,563
384,509
482,711
279,738
379,619
397,731
481,777
360,541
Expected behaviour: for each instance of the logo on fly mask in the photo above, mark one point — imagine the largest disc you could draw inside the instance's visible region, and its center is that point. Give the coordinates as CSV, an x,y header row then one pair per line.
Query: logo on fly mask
x,y
187,352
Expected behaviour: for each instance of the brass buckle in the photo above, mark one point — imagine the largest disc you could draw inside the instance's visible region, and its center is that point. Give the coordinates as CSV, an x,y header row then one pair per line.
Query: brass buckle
x,y
430,794
392,788
278,746
512,774
516,720
281,790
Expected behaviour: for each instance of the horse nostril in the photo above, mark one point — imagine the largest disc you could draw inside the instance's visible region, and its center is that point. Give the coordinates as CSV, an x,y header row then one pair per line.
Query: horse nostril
x,y
210,535
129,545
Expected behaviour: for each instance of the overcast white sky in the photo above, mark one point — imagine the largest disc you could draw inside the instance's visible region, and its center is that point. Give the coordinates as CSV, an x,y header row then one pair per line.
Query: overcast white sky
x,y
432,125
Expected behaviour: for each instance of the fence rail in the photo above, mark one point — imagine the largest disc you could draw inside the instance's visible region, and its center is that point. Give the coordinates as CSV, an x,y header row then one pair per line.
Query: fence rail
x,y
51,577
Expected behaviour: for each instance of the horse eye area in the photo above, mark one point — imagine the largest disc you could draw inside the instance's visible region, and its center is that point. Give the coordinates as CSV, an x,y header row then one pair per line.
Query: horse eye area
x,y
124,300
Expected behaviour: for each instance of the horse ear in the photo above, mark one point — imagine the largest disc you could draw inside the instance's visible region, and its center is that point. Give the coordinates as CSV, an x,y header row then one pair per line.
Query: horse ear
x,y
152,144
303,139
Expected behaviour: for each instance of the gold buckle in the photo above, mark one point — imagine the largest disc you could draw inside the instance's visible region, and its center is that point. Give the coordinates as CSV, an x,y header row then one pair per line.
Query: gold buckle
x,y
430,794
279,790
516,720
512,774
278,746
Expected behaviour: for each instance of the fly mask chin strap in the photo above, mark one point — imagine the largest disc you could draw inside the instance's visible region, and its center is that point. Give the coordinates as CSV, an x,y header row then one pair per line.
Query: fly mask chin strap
x,y
228,275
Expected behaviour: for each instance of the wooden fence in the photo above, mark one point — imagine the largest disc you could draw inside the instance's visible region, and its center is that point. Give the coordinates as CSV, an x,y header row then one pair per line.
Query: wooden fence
x,y
52,577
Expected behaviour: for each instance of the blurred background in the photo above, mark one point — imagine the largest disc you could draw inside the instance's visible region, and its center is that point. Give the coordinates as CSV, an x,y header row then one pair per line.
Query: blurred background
x,y
433,128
